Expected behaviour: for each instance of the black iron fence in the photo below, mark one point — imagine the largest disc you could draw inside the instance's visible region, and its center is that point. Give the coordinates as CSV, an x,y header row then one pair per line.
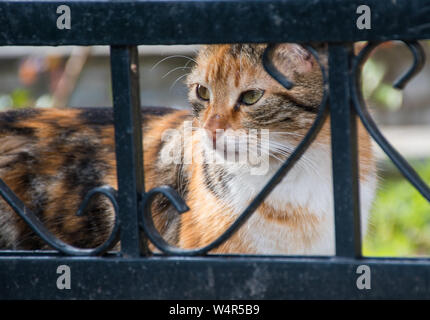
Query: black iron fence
x,y
177,273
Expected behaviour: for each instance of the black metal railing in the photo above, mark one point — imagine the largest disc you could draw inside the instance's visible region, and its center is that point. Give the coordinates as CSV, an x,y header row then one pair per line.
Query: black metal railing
x,y
134,273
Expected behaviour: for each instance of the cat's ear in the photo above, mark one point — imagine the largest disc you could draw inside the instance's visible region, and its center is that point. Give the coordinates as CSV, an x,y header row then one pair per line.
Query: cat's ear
x,y
300,66
293,58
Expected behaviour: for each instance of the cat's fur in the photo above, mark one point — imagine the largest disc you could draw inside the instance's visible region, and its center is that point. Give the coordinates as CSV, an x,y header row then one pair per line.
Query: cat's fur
x,y
51,158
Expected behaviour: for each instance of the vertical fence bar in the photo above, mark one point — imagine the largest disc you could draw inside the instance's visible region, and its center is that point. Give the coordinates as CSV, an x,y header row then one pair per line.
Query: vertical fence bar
x,y
344,153
128,144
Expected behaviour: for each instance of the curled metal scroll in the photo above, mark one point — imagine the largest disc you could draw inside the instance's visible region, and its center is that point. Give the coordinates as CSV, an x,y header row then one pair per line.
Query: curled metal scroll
x,y
37,226
418,62
147,222
419,59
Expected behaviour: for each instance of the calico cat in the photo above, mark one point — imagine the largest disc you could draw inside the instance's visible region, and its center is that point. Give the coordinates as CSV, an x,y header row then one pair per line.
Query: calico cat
x,y
52,158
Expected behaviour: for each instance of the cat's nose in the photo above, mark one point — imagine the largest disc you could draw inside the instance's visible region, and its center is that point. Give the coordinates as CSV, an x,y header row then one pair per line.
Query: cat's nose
x,y
214,123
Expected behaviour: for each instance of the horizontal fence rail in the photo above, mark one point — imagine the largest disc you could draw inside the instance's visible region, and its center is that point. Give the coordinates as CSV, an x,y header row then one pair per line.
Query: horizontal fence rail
x,y
208,21
212,278
134,272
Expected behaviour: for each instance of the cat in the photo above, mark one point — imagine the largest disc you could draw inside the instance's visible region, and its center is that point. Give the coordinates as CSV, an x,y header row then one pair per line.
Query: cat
x,y
51,158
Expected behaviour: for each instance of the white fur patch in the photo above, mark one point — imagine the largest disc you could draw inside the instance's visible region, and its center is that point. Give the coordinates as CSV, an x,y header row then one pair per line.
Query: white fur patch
x,y
308,185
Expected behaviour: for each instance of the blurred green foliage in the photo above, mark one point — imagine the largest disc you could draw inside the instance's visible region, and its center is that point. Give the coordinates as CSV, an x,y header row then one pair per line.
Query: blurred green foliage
x,y
381,93
23,98
400,219
19,98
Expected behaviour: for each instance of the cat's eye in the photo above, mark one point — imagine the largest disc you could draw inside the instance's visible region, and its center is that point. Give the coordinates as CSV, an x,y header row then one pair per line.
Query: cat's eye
x,y
203,92
251,96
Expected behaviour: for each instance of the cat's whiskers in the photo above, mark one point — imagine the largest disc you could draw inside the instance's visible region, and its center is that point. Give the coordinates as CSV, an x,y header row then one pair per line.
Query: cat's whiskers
x,y
295,134
173,70
277,148
180,77
171,57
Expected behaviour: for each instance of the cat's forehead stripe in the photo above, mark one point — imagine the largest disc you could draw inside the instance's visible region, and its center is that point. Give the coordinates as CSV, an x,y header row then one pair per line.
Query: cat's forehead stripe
x,y
223,64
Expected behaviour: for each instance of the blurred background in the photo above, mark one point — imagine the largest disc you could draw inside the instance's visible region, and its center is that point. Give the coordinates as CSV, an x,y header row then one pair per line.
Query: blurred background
x,y
45,77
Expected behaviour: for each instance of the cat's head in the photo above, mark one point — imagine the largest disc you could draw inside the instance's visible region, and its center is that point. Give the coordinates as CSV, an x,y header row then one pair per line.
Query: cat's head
x,y
230,91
